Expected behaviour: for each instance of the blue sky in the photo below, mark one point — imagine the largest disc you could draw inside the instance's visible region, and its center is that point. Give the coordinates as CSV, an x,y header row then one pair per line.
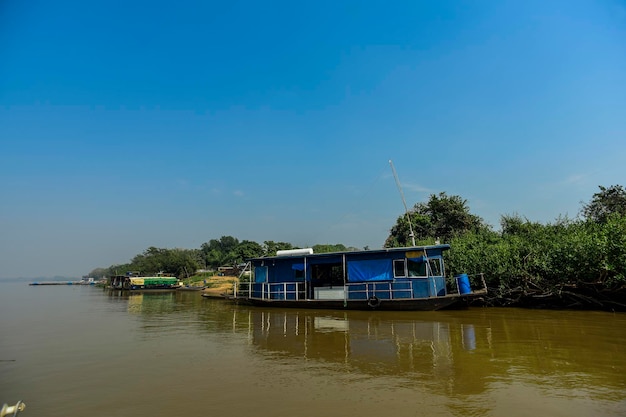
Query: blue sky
x,y
130,124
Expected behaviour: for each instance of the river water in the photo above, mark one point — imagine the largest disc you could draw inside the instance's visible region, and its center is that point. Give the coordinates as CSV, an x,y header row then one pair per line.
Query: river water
x,y
83,351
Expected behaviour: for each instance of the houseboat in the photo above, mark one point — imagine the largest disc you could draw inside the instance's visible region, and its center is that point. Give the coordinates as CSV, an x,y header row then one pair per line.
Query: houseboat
x,y
133,281
411,278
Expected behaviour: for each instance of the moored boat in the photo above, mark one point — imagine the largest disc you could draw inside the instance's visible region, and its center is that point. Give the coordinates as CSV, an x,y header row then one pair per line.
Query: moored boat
x,y
412,278
133,282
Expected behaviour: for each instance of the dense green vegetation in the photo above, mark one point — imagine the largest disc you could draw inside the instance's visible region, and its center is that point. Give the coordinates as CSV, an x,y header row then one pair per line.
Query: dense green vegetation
x,y
569,262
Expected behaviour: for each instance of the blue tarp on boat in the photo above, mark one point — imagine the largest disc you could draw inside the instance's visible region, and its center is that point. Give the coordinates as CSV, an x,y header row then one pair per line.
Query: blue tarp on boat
x,y
370,270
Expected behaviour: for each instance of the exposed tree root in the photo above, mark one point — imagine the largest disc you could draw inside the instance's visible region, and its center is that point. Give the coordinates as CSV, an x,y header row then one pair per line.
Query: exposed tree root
x,y
581,296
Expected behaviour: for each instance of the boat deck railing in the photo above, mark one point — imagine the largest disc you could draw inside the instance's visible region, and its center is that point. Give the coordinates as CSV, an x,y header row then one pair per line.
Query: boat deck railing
x,y
388,290
478,285
271,290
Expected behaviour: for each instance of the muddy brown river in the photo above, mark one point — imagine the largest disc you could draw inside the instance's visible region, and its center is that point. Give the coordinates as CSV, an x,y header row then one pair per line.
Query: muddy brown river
x,y
83,351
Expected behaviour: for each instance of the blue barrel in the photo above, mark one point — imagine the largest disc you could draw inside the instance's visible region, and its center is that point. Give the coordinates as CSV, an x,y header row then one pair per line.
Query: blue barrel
x,y
463,283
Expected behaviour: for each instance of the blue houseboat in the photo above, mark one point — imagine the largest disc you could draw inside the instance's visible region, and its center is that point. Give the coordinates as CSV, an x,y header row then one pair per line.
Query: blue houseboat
x,y
411,278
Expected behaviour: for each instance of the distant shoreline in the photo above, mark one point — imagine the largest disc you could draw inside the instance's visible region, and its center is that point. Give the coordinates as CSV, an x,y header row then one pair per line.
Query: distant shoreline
x,y
40,279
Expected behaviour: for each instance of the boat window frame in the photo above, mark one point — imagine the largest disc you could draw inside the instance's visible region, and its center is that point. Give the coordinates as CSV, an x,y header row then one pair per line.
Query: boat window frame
x,y
298,274
434,264
436,261
404,272
424,268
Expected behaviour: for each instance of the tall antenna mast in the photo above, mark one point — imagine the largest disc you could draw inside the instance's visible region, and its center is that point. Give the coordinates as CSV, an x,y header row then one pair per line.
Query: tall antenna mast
x,y
406,209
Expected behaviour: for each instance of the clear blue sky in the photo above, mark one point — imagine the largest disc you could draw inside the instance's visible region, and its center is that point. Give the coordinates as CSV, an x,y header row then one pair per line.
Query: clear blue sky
x,y
130,124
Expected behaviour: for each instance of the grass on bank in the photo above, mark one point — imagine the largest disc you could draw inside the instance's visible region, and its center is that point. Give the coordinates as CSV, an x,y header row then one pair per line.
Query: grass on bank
x,y
213,284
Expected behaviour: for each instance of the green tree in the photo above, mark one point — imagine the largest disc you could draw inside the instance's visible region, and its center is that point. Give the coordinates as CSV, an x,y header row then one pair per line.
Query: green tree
x,y
181,262
442,218
329,248
178,262
248,249
605,203
99,273
613,235
119,269
270,247
152,260
220,252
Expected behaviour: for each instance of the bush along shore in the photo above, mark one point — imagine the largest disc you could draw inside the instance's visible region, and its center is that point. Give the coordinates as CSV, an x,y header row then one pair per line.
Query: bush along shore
x,y
581,296
567,264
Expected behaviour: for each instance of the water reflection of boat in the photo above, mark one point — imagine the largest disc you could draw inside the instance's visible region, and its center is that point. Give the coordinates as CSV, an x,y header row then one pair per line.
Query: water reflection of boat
x,y
412,278
375,345
150,303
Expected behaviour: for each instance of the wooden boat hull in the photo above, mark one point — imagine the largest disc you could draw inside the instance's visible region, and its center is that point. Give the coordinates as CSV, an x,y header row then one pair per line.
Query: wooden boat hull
x,y
216,296
190,288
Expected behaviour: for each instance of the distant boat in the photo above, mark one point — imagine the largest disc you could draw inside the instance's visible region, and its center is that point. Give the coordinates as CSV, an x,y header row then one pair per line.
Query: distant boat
x,y
136,282
411,278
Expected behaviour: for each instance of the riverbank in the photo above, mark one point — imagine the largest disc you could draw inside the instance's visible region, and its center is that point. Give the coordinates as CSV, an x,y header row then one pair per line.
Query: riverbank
x,y
580,296
217,285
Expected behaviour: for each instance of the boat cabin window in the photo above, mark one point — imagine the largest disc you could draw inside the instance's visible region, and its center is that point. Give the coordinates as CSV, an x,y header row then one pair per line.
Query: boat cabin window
x,y
416,268
327,274
399,268
435,267
299,274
